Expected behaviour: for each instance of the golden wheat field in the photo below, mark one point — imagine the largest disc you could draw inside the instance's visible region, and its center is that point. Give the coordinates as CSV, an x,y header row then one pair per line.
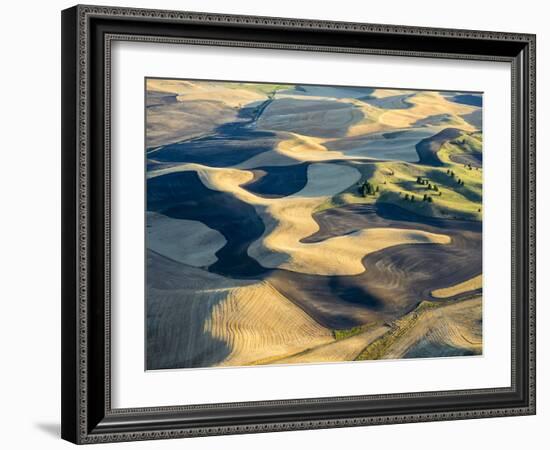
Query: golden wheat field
x,y
294,224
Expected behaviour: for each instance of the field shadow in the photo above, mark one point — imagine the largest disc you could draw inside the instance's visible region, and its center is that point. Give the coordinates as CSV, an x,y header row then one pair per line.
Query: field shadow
x,y
180,304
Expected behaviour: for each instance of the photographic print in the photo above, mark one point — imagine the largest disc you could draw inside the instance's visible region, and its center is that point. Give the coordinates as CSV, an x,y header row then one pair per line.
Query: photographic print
x,y
293,223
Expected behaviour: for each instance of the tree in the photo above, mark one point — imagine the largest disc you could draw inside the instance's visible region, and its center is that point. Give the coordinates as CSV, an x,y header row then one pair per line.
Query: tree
x,y
406,196
418,180
436,189
425,198
430,200
412,198
368,188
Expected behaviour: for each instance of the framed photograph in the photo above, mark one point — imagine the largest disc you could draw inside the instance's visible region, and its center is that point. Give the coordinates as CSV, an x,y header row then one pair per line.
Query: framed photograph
x,y
279,224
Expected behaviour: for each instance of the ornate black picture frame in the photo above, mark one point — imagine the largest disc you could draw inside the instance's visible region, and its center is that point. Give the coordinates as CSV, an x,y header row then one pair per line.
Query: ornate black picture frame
x,y
87,34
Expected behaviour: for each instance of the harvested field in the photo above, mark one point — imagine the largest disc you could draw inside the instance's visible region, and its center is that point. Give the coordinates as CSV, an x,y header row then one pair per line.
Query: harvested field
x,y
309,224
430,331
472,284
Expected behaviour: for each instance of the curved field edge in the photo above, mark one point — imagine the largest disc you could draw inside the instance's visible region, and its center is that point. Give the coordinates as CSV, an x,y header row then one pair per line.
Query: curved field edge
x,y
343,349
467,286
199,319
433,329
451,190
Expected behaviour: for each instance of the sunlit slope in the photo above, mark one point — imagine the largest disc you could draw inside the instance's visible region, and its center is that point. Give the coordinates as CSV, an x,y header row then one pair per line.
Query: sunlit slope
x,y
289,219
179,109
196,319
385,145
346,349
333,117
455,188
466,286
449,329
257,322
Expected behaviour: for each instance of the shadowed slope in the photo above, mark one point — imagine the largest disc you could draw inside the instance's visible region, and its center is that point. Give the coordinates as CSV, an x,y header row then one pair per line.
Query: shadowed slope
x,y
180,110
182,195
399,145
427,148
235,145
177,308
319,118
468,99
278,181
199,319
475,118
406,273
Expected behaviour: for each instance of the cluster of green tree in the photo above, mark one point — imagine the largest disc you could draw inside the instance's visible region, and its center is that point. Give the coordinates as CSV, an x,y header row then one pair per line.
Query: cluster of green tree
x,y
367,188
426,182
427,198
453,175
411,198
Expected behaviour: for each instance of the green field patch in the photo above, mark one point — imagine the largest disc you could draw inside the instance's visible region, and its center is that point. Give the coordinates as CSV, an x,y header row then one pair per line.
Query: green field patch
x,y
398,328
354,331
451,191
343,334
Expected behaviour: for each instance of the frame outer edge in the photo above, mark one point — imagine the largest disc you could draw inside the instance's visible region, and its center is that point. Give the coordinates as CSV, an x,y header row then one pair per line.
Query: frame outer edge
x,y
286,22
532,184
75,234
83,220
69,290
